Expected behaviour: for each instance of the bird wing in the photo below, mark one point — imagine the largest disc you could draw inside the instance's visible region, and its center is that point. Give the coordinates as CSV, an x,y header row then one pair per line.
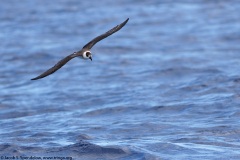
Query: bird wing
x,y
55,67
90,44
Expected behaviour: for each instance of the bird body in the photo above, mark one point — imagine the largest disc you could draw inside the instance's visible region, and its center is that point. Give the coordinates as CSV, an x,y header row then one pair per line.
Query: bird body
x,y
84,53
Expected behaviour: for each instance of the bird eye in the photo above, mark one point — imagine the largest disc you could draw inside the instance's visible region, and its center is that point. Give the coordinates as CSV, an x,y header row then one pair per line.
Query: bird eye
x,y
87,54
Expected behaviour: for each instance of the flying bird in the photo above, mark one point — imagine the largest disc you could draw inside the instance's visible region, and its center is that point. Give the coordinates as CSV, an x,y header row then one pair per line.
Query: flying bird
x,y
84,53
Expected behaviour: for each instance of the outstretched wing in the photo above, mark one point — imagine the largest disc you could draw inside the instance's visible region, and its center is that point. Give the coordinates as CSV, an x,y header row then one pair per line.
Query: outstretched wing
x,y
90,44
55,67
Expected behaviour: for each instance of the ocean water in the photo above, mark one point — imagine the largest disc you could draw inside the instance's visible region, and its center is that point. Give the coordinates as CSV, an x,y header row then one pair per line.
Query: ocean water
x,y
166,86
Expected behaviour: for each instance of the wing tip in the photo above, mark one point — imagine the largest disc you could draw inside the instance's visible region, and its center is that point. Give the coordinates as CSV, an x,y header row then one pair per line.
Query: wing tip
x,y
34,78
126,20
124,23
38,77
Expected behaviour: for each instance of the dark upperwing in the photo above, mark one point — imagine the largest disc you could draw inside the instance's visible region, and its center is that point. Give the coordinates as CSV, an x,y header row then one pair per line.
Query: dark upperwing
x,y
90,44
55,67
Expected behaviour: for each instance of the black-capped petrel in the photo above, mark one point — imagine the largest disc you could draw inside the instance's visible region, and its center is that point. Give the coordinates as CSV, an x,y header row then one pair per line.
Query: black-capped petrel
x,y
84,53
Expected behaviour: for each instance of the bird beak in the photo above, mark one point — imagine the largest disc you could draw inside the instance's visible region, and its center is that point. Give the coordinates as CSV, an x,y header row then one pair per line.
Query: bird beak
x,y
90,58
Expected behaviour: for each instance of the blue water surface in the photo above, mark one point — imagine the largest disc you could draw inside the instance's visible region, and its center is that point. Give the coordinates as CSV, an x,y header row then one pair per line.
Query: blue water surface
x,y
166,86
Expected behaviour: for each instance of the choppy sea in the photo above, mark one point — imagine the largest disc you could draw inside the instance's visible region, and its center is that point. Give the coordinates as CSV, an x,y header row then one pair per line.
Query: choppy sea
x,y
166,86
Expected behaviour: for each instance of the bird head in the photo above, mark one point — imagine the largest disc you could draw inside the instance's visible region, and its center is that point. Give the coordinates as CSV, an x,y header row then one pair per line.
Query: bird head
x,y
87,55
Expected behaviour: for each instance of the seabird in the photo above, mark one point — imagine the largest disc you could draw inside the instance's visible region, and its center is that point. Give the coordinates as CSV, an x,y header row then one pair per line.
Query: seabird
x,y
84,53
